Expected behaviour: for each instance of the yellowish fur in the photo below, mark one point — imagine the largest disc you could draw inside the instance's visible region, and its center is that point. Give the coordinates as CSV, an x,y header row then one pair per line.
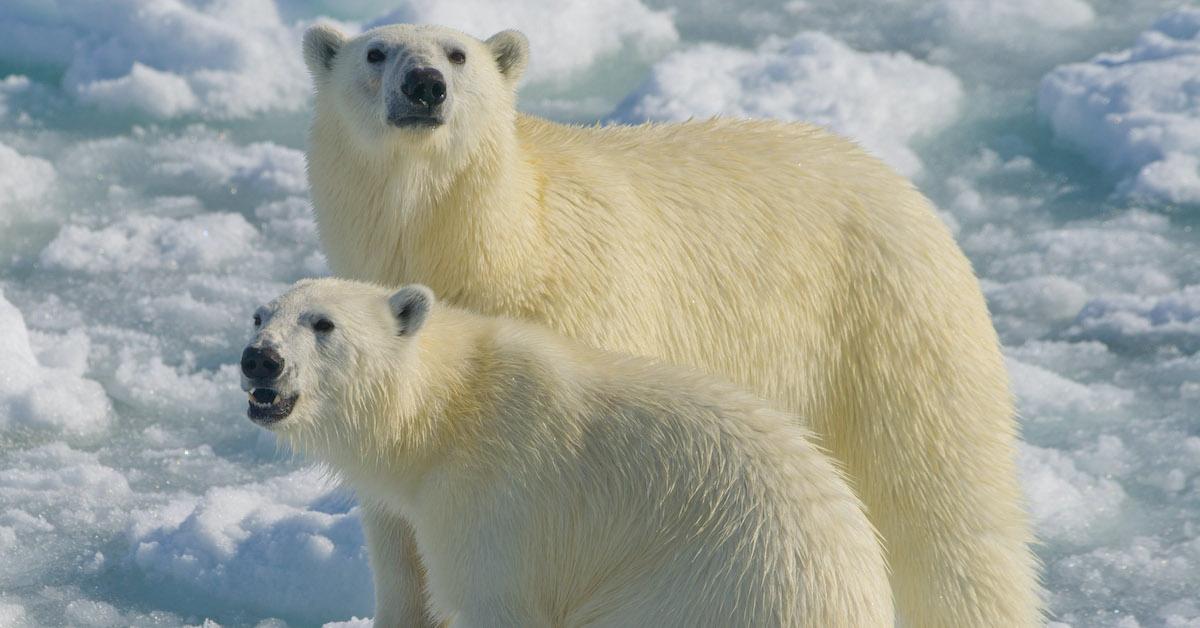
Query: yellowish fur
x,y
777,255
552,484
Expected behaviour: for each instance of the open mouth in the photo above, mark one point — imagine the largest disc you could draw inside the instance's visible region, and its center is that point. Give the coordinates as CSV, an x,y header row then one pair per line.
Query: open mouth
x,y
267,406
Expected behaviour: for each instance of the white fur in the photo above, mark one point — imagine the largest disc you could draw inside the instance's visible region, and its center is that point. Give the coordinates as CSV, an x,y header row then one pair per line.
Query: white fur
x,y
551,484
777,255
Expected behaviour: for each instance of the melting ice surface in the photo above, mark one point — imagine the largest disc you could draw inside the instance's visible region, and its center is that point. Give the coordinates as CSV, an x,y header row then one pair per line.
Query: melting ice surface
x,y
152,193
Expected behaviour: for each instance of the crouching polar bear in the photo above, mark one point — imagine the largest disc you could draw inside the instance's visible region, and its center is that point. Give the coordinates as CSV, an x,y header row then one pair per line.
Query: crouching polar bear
x,y
776,255
552,484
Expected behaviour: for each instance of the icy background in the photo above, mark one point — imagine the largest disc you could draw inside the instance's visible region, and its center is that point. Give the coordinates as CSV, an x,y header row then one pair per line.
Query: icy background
x,y
152,192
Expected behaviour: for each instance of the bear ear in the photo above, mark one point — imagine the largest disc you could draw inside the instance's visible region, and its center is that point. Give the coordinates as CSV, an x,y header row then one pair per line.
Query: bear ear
x,y
511,50
410,306
321,45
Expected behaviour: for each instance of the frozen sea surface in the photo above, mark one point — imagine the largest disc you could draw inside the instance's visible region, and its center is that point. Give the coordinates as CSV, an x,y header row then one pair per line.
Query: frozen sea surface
x,y
152,193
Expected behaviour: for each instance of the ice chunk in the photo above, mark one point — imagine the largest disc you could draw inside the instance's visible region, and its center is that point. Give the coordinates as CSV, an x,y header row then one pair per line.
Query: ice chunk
x,y
1009,20
11,614
35,396
1134,579
564,36
198,159
1143,322
277,546
22,178
163,58
1064,501
205,242
1136,113
353,622
882,100
1043,395
58,501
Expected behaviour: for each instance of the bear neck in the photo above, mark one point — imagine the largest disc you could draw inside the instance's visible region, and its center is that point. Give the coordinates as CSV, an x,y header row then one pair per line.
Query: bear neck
x,y
420,410
465,222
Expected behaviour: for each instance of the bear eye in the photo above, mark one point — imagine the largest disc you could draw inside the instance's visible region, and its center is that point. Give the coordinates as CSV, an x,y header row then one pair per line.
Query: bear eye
x,y
323,325
375,55
257,320
458,57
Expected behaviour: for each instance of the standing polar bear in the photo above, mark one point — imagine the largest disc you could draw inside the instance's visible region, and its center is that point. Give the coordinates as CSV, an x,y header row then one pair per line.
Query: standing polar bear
x,y
778,255
552,484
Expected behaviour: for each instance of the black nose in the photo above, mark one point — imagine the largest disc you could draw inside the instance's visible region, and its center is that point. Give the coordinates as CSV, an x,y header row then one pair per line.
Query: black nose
x,y
424,86
261,363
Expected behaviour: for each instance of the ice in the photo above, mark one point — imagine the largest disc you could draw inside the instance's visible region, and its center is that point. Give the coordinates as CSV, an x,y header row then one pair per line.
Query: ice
x,y
1000,20
564,36
1065,501
204,242
1045,395
248,544
198,158
883,100
153,193
1139,322
353,622
22,179
162,58
43,397
55,498
1136,113
11,614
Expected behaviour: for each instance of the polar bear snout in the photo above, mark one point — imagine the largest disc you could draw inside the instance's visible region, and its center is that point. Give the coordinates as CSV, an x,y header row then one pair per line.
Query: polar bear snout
x,y
262,369
261,364
420,101
424,86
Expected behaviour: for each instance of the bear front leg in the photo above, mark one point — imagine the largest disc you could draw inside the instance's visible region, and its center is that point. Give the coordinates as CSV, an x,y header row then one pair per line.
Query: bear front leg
x,y
396,566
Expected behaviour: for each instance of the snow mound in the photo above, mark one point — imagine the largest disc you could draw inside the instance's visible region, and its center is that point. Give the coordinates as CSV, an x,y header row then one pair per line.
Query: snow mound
x,y
198,158
58,501
162,58
882,100
11,614
564,36
1005,20
353,622
281,546
22,178
1065,501
1141,578
1043,395
204,242
43,397
1142,322
1136,113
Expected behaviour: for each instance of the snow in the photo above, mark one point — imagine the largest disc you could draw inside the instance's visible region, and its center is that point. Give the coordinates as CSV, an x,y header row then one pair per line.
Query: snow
x,y
1171,320
996,20
564,36
153,193
44,397
162,58
246,544
22,178
1136,113
883,100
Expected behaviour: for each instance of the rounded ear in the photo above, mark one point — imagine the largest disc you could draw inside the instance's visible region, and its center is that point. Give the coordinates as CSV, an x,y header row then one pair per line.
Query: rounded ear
x,y
511,50
321,45
410,306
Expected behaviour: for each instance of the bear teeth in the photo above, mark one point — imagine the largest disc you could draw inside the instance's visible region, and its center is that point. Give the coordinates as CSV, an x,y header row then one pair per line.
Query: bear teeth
x,y
258,393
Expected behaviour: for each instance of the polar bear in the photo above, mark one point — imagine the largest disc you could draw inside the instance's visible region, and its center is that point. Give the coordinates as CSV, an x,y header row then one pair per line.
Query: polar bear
x,y
552,484
777,255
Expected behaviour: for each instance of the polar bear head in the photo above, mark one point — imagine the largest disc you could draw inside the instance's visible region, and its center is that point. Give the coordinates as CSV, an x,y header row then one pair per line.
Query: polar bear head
x,y
324,356
417,86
